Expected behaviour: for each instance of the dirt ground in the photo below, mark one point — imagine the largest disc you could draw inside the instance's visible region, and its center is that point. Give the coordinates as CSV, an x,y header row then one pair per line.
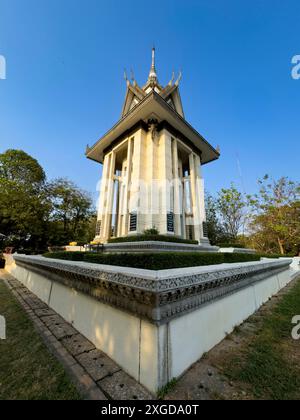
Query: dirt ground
x,y
208,378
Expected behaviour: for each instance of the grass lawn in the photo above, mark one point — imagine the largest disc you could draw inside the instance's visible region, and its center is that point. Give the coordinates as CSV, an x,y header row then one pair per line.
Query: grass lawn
x,y
27,369
269,364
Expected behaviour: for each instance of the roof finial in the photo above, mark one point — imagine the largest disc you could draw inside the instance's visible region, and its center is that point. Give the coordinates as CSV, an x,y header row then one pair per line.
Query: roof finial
x,y
126,78
152,74
153,56
179,78
132,77
172,80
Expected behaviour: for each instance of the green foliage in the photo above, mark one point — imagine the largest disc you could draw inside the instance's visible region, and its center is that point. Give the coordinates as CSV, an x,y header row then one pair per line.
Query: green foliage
x,y
231,245
71,213
34,213
162,392
231,206
235,257
268,365
23,205
152,237
155,261
225,216
215,230
275,224
28,370
18,167
152,231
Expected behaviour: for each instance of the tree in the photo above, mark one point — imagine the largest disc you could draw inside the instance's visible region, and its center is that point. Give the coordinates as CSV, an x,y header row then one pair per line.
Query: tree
x,y
23,208
70,213
18,167
34,213
276,221
215,231
231,207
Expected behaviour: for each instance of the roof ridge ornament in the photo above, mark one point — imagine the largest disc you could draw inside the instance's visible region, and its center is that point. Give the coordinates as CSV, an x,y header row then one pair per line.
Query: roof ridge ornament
x,y
172,80
152,75
179,79
126,78
132,77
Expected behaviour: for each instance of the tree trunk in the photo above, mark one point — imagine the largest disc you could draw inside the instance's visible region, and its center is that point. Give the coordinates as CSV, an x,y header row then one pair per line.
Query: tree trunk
x,y
280,243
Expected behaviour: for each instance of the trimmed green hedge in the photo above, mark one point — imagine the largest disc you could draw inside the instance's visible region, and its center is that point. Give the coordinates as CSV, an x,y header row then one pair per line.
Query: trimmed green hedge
x,y
277,255
156,261
162,238
235,257
231,245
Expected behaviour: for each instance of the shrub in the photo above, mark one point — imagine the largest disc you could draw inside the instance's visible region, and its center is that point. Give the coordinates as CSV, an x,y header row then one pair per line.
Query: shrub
x,y
231,245
152,231
56,248
64,255
155,261
236,257
2,261
276,255
151,237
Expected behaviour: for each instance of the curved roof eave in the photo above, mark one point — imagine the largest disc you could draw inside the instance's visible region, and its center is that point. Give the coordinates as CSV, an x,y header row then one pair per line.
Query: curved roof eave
x,y
153,103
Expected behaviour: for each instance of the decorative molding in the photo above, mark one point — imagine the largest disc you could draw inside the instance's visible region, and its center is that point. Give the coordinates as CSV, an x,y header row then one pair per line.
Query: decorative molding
x,y
157,296
158,246
140,125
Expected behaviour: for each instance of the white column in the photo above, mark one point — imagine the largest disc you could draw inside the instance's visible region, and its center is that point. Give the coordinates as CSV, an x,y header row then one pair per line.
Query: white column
x,y
195,207
176,186
183,203
151,185
109,198
125,209
103,192
165,178
121,205
200,192
134,195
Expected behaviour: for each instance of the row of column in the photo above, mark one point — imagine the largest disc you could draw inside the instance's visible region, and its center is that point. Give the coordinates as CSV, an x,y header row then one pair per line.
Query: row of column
x,y
129,184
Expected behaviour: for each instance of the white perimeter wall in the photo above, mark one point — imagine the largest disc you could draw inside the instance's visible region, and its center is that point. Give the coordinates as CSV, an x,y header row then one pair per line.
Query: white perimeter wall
x,y
152,355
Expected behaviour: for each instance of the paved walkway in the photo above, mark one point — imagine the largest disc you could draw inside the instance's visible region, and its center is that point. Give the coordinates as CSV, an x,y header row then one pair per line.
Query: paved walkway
x,y
95,375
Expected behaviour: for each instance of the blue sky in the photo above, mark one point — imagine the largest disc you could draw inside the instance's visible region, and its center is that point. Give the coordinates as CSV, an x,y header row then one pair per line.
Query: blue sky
x,y
65,86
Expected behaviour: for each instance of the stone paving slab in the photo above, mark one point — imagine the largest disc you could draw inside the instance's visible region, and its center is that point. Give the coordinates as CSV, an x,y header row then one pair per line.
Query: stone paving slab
x,y
34,302
56,324
77,344
97,364
53,320
44,312
23,291
121,386
15,284
62,331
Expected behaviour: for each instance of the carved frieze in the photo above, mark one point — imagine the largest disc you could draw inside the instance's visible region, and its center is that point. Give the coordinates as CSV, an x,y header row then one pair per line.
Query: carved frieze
x,y
159,295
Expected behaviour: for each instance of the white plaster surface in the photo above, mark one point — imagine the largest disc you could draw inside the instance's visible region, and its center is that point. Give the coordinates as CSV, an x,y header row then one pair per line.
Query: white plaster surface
x,y
196,333
231,250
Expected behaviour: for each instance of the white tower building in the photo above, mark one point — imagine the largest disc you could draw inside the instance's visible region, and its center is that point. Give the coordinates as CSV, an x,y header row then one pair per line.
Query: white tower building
x,y
152,166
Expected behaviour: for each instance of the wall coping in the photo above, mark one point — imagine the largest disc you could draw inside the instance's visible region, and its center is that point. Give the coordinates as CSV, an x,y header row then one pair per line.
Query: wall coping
x,y
157,296
238,250
157,246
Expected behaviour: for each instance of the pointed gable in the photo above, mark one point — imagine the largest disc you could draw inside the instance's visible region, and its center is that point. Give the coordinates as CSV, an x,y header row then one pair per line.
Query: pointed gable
x,y
135,93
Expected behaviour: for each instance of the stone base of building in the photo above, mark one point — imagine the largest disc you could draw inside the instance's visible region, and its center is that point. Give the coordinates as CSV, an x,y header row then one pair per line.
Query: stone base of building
x,y
238,250
157,246
154,324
